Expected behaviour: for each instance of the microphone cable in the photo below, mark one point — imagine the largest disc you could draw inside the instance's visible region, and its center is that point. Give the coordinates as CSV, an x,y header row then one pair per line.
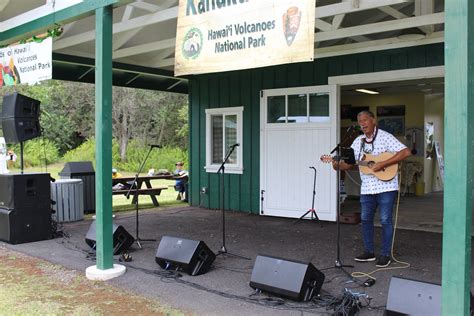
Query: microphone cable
x,y
403,265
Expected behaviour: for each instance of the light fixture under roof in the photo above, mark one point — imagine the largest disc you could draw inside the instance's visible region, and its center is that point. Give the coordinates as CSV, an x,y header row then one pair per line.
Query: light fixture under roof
x,y
367,91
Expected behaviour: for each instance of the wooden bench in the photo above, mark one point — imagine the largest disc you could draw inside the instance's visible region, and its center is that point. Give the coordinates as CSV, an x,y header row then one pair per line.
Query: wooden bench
x,y
152,192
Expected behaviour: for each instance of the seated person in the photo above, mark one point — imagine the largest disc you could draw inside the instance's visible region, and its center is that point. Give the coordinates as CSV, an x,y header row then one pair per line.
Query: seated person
x,y
119,186
116,174
181,184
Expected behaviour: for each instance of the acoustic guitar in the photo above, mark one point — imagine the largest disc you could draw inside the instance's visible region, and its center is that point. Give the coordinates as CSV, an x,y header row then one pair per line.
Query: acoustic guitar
x,y
368,161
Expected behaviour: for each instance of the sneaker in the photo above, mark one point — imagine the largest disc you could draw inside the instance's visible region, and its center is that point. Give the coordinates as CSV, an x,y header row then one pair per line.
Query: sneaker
x,y
383,261
365,257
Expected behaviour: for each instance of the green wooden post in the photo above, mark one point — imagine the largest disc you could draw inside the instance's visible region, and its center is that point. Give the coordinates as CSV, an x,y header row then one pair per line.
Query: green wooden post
x,y
456,278
103,134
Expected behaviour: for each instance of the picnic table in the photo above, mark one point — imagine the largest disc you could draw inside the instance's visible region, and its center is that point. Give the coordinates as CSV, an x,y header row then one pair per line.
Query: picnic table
x,y
139,189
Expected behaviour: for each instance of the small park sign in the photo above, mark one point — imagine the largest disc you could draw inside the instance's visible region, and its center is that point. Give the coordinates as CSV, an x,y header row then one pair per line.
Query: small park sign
x,y
26,63
222,35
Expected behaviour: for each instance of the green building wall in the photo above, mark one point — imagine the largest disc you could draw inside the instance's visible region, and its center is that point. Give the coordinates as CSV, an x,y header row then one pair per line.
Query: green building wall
x,y
242,88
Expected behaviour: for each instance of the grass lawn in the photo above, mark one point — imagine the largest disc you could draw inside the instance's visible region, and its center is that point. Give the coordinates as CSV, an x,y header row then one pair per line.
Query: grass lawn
x,y
120,202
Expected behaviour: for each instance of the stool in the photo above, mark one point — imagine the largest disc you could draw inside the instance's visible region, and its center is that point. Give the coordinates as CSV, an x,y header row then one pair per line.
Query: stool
x,y
69,197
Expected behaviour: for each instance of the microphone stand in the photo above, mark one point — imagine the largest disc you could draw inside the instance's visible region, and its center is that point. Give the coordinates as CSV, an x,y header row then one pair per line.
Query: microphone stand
x,y
135,184
221,170
337,150
314,216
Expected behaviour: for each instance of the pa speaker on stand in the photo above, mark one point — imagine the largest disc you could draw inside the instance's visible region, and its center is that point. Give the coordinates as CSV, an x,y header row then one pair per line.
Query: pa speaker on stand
x,y
20,118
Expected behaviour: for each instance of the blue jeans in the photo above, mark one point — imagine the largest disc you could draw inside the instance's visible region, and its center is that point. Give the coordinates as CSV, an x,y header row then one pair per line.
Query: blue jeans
x,y
369,203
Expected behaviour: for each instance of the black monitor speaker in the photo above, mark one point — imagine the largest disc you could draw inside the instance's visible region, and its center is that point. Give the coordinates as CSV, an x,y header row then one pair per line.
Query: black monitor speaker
x,y
18,105
20,118
411,297
191,256
291,279
122,240
22,225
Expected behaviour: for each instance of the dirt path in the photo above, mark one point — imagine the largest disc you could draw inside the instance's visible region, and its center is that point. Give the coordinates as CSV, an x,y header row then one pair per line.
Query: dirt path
x,y
31,286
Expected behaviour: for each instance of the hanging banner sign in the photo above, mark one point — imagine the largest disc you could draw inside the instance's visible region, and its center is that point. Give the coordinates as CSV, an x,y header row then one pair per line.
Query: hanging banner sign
x,y
26,63
222,35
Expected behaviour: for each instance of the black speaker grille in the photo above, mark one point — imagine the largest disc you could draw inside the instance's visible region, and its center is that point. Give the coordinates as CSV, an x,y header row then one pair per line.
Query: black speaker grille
x,y
25,190
122,240
18,105
292,279
191,256
20,129
22,225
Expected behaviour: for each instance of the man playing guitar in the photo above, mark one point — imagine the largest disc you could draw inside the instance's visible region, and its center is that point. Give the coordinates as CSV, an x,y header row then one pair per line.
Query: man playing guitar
x,y
375,192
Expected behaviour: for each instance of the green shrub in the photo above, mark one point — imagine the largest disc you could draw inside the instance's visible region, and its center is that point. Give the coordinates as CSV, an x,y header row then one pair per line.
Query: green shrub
x,y
37,152
159,158
86,152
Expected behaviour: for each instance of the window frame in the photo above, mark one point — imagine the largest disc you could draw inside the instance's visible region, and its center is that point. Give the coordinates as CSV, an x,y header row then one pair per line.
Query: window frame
x,y
229,168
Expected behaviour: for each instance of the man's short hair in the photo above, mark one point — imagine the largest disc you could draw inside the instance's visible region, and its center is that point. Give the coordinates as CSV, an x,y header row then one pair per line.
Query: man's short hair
x,y
369,113
179,163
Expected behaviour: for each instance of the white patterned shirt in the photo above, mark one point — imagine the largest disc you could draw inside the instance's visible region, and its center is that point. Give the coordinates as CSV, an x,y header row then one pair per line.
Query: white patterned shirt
x,y
384,142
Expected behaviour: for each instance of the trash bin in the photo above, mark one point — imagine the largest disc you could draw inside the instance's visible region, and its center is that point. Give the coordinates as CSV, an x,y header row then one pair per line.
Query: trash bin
x,y
69,197
85,171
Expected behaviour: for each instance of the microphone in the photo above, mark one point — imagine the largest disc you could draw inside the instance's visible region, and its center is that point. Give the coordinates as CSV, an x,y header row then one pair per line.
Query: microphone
x,y
155,146
235,145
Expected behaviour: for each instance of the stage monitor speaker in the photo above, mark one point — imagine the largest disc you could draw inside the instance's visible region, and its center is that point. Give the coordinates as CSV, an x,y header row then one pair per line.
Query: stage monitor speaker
x,y
411,297
18,105
291,279
27,190
122,240
20,129
23,225
191,256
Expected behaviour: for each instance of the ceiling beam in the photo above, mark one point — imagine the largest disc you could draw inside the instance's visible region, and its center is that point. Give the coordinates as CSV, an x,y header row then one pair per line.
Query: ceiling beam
x,y
376,45
145,6
3,4
42,22
393,12
351,7
387,26
44,10
138,22
144,48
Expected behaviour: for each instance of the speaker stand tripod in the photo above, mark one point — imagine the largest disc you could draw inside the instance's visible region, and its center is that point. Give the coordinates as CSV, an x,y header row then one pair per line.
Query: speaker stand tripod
x,y
311,211
221,170
138,240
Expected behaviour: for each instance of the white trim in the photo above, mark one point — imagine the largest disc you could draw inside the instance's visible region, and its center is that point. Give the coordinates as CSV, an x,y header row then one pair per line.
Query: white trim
x,y
387,76
229,168
333,123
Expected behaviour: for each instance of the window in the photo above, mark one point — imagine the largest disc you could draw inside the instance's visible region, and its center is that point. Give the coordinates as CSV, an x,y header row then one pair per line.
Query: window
x,y
298,108
224,129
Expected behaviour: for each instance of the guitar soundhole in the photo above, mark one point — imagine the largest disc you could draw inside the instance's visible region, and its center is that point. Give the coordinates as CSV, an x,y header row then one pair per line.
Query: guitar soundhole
x,y
370,164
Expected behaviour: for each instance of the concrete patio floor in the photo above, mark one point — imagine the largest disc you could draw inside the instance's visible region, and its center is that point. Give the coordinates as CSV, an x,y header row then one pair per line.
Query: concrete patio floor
x,y
224,289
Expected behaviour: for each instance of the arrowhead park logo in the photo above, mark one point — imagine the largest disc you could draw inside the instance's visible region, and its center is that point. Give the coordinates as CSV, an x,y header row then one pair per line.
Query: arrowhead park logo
x,y
291,24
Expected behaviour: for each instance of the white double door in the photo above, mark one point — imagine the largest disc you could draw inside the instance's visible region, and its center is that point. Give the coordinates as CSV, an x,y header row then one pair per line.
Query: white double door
x,y
298,125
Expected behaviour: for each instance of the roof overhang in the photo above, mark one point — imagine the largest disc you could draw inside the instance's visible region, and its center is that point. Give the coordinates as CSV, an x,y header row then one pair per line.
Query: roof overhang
x,y
145,33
